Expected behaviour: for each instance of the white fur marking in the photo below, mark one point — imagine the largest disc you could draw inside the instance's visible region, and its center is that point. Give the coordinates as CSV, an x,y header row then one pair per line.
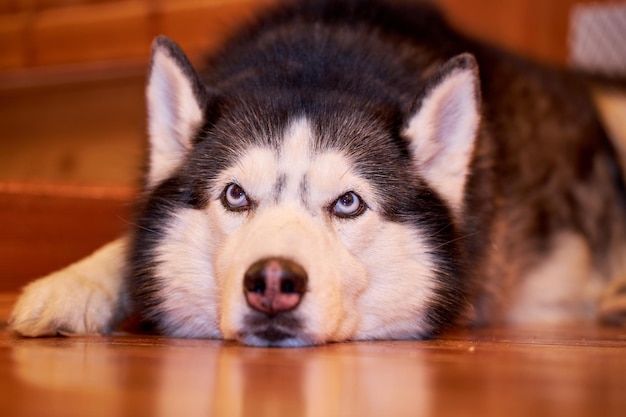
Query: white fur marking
x,y
563,288
81,298
405,280
295,155
185,274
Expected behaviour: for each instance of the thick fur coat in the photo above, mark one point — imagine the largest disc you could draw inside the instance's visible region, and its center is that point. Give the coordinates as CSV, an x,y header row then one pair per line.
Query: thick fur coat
x,y
348,170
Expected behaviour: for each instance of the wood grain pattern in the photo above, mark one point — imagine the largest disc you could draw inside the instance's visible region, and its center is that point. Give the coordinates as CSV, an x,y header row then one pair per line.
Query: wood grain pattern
x,y
482,372
53,32
45,231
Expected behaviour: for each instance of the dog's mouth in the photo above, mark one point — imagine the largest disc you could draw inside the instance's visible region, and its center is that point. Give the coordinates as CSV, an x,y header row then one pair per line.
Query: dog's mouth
x,y
273,334
278,331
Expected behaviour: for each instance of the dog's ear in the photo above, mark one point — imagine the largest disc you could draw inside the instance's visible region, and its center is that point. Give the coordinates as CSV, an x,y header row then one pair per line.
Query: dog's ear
x,y
443,127
176,100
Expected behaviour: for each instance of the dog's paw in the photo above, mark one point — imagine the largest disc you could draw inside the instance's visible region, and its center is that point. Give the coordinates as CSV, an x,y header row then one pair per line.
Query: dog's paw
x,y
83,298
612,308
63,303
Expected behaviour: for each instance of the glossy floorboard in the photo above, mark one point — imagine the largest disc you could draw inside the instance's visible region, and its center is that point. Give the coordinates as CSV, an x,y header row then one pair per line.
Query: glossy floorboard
x,y
488,372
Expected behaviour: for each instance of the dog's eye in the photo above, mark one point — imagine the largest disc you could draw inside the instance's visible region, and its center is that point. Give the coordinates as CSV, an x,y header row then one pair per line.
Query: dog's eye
x,y
348,205
235,198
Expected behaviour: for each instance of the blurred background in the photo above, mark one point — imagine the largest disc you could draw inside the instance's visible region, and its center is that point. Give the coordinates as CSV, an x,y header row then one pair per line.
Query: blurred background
x,y
72,118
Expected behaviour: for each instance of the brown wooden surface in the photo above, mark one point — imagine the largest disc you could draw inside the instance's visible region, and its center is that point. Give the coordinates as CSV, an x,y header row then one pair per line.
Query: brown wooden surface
x,y
35,33
76,130
59,32
71,158
47,228
489,372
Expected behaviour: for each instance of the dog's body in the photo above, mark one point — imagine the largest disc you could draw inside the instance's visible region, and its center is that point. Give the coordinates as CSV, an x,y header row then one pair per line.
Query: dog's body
x,y
348,171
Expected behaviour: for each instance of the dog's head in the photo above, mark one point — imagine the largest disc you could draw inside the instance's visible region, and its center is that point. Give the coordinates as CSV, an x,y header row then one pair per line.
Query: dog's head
x,y
275,222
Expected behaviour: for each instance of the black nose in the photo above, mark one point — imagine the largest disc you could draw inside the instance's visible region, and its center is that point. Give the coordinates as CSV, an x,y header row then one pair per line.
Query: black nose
x,y
274,285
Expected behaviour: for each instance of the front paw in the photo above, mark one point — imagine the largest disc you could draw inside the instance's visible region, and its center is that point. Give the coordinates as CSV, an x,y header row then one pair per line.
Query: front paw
x,y
612,308
63,303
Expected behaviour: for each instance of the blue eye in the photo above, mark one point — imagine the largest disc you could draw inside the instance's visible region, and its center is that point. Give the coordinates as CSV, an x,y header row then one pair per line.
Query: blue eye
x,y
234,198
348,205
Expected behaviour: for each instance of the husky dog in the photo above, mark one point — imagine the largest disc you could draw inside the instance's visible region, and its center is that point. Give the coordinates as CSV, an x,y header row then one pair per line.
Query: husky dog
x,y
356,170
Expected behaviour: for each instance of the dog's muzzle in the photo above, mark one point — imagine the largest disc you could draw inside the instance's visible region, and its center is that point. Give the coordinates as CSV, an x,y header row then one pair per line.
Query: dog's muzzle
x,y
274,285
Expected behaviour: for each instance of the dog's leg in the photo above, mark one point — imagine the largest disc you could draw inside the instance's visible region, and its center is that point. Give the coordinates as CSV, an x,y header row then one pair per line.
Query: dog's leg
x,y
84,298
612,309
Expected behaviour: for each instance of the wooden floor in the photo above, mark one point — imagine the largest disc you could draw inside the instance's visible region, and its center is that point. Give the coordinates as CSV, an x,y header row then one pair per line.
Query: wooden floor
x,y
488,372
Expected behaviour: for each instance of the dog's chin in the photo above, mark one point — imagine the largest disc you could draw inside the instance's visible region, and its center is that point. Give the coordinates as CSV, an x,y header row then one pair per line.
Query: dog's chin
x,y
283,330
273,336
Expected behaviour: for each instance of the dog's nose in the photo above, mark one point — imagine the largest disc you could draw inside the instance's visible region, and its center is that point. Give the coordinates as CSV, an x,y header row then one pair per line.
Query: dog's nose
x,y
274,285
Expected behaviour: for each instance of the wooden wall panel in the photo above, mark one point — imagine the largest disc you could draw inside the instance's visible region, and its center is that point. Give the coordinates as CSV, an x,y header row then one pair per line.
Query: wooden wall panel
x,y
57,32
43,232
12,40
199,25
84,31
11,6
107,31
